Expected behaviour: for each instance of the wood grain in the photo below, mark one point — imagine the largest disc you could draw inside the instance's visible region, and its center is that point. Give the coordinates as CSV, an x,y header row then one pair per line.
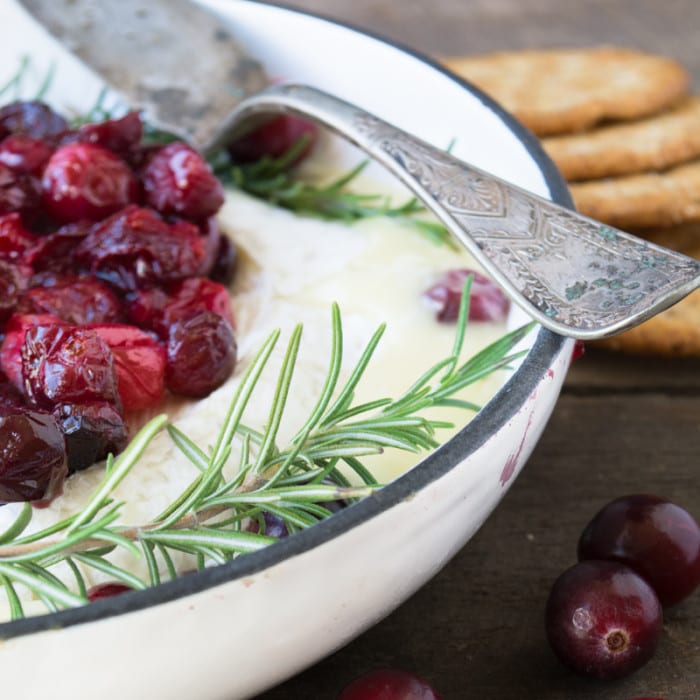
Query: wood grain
x,y
623,425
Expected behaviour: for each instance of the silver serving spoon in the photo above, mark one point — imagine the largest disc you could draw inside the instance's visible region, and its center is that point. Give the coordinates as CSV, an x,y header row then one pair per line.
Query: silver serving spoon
x,y
574,275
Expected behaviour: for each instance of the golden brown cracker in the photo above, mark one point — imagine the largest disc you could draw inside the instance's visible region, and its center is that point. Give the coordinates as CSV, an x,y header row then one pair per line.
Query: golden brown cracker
x,y
643,200
557,91
654,143
676,331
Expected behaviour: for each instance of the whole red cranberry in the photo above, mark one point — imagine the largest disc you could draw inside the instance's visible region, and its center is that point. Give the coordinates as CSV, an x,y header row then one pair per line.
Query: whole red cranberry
x,y
136,248
140,362
602,619
67,364
201,354
274,139
85,181
76,300
487,302
92,431
33,118
25,154
177,180
389,684
15,239
32,458
656,538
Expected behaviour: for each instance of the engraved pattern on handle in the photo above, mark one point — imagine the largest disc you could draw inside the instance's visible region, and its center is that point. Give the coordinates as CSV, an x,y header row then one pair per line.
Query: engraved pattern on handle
x,y
574,275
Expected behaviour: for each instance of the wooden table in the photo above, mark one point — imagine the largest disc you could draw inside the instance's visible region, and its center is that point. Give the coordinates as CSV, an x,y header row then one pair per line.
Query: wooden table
x,y
622,425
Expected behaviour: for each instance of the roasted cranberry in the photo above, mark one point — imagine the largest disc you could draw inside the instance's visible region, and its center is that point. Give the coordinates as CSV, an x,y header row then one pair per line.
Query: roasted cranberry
x,y
32,456
140,362
15,239
274,525
67,364
274,139
14,280
486,302
603,619
32,118
11,351
121,136
211,236
659,540
136,248
389,684
56,250
19,193
201,354
225,261
177,180
25,154
156,310
107,590
85,181
77,300
91,431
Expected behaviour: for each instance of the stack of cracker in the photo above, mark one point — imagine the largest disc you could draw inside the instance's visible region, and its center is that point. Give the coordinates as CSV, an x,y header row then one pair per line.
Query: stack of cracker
x,y
625,133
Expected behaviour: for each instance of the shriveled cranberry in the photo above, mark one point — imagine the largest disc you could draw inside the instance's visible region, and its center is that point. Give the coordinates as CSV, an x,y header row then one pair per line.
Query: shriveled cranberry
x,y
32,456
19,193
67,364
656,538
14,280
158,310
201,354
177,180
25,154
106,590
85,181
11,350
79,300
486,302
33,118
274,139
389,684
136,248
121,136
274,525
56,250
140,361
603,619
91,431
15,239
225,261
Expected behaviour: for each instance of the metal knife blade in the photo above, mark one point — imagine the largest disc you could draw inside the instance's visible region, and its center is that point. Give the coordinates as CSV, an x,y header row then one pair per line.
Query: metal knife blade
x,y
170,58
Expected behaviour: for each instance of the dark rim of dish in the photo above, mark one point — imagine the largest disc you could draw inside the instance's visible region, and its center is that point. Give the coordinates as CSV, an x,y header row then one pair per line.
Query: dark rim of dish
x,y
493,416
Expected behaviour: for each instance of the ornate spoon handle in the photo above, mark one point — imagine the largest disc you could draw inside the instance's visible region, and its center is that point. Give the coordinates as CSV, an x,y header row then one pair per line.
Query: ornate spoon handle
x,y
574,275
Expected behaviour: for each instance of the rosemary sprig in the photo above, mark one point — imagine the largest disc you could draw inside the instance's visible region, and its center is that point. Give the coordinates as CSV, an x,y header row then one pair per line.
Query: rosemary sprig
x,y
275,180
295,482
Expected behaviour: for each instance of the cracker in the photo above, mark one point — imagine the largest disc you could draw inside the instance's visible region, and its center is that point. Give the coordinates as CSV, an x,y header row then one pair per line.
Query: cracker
x,y
654,143
559,91
676,331
645,200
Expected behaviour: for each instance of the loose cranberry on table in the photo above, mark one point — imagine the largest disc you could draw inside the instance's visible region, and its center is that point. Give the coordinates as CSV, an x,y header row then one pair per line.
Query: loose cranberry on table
x,y
602,619
656,538
389,684
177,180
487,302
86,181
